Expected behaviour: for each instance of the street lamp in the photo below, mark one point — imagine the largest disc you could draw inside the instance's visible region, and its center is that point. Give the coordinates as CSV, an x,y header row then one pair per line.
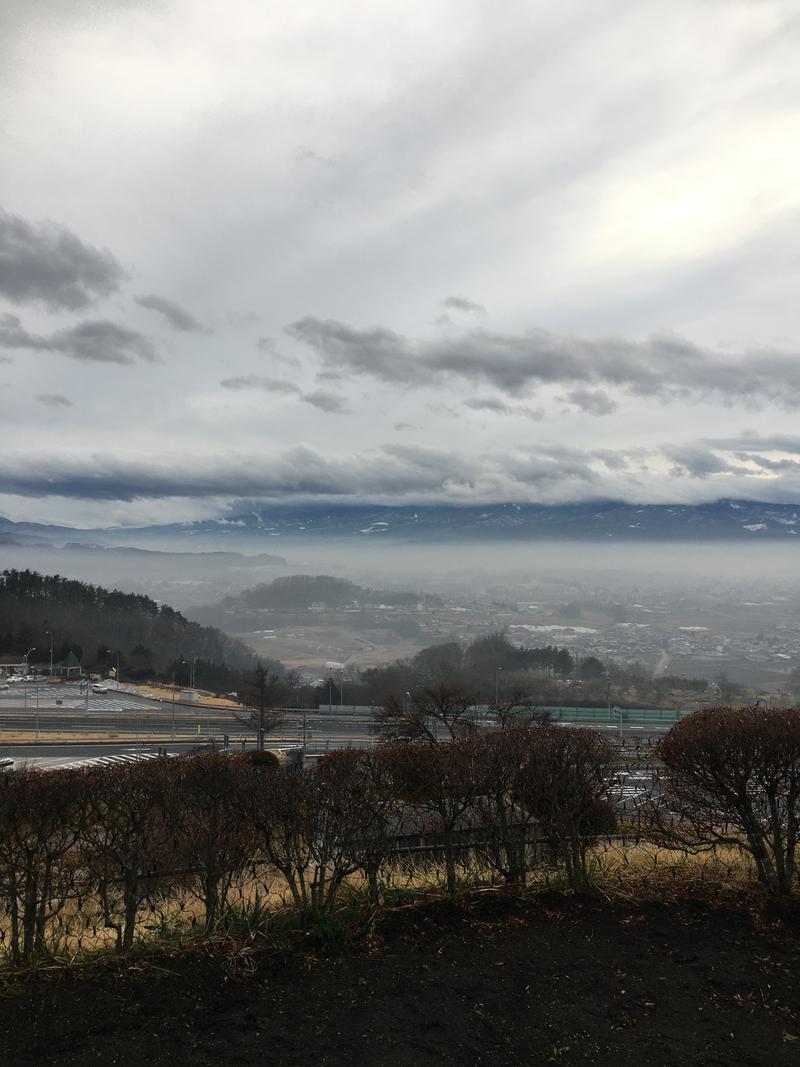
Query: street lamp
x,y
496,681
47,633
110,653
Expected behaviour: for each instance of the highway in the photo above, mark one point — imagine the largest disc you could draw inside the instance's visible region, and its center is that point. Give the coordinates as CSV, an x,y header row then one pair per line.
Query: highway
x,y
118,721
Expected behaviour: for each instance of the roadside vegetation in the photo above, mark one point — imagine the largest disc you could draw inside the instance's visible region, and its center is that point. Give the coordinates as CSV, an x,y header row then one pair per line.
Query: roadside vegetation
x,y
104,859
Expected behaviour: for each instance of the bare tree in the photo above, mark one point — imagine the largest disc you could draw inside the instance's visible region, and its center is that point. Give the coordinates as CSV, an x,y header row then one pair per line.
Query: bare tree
x,y
265,698
517,709
426,714
732,776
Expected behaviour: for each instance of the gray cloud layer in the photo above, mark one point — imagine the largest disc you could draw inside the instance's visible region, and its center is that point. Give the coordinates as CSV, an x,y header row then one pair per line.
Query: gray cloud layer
x,y
548,473
54,400
461,303
665,367
330,403
176,316
90,342
45,263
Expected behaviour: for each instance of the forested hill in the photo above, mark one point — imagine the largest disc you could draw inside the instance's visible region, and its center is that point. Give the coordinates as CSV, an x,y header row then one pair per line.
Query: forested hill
x,y
89,620
300,592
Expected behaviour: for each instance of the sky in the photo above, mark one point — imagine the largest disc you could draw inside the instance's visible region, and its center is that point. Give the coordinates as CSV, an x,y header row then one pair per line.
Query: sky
x,y
450,251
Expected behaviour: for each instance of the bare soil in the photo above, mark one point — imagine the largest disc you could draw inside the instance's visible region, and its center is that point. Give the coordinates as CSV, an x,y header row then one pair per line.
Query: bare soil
x,y
493,979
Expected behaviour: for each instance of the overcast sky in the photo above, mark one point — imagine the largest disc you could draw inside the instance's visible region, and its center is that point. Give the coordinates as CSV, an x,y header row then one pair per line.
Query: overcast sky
x,y
453,250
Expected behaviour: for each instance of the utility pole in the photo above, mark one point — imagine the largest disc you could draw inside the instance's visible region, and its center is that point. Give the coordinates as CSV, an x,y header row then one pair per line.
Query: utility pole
x,y
47,633
261,682
496,681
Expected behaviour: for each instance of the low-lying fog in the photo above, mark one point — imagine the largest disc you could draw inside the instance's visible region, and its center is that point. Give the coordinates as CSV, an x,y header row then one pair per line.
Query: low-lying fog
x,y
195,575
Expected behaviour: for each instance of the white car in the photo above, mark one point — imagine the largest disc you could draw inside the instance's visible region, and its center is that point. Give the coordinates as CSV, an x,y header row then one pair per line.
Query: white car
x,y
99,688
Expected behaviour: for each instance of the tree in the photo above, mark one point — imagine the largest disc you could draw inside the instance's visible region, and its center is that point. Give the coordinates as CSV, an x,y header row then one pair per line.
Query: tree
x,y
591,668
732,777
267,693
425,714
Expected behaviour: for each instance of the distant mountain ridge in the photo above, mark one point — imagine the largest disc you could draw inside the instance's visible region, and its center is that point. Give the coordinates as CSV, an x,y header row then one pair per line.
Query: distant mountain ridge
x,y
603,520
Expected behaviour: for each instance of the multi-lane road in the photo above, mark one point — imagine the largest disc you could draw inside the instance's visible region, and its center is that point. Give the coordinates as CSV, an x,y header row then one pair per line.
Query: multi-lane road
x,y
63,719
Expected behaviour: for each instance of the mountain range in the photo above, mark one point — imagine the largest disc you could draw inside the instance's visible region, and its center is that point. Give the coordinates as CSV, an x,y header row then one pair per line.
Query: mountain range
x,y
741,520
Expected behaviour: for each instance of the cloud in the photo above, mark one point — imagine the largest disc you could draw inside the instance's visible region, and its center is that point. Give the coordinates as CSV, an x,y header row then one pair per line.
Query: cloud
x,y
391,472
41,262
328,402
397,473
697,461
90,342
461,303
500,407
178,317
304,154
255,381
592,401
489,403
665,367
267,344
319,398
54,400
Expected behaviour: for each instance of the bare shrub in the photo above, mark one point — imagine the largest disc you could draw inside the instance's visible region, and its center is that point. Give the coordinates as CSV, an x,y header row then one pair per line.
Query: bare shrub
x,y
129,837
214,843
732,777
564,784
40,816
439,782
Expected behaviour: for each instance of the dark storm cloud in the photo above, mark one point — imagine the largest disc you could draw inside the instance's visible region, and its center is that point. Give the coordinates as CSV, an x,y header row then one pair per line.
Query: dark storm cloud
x,y
54,400
662,367
256,381
176,316
41,262
461,303
89,342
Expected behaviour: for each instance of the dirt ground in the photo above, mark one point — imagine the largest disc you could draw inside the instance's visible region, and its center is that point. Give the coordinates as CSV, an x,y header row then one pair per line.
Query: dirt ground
x,y
492,980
